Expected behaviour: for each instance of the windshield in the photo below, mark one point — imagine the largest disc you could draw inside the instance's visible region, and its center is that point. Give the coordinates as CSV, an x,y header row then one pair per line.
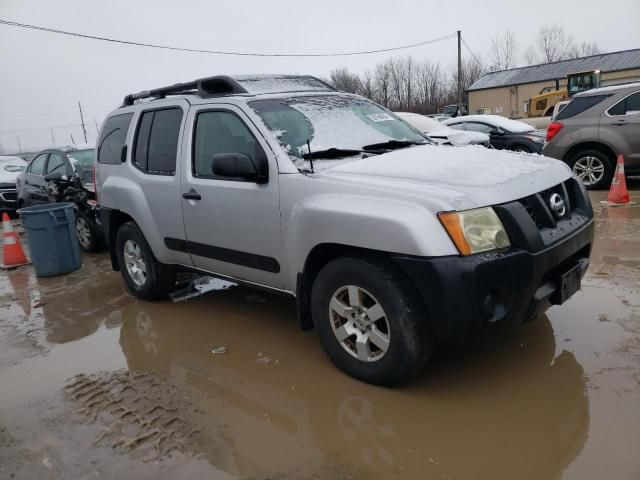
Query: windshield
x,y
330,122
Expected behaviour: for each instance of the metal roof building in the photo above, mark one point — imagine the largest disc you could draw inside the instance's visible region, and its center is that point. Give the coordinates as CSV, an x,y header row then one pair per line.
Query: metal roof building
x,y
506,91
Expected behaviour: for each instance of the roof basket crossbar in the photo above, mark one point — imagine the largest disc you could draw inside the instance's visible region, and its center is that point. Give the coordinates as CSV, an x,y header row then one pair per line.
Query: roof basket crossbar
x,y
204,87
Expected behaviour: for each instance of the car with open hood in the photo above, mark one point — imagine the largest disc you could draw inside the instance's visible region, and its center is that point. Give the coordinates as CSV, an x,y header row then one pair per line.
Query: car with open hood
x,y
389,244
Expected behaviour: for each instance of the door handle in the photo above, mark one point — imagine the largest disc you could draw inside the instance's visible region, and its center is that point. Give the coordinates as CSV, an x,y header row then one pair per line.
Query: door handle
x,y
192,195
620,122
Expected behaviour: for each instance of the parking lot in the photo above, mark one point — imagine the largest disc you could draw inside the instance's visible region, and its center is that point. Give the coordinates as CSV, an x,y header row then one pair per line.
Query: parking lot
x,y
97,383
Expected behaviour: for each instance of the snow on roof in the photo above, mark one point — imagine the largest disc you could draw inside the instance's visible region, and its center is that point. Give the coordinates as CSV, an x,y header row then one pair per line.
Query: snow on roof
x,y
77,146
609,89
606,62
259,84
505,123
422,123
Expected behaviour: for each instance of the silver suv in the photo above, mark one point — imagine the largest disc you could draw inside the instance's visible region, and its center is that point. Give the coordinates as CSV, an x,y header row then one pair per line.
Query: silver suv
x,y
595,127
388,243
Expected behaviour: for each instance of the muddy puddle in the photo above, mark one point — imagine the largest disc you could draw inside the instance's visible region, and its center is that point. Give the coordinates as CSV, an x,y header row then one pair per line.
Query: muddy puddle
x,y
94,383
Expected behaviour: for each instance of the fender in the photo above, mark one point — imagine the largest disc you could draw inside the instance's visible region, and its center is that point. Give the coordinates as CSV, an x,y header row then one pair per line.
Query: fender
x,y
385,225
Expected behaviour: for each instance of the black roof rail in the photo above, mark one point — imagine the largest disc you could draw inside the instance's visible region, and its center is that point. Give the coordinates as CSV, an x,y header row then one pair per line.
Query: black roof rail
x,y
203,87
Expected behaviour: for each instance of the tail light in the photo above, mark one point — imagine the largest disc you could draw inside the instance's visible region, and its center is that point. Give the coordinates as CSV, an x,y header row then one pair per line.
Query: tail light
x,y
553,129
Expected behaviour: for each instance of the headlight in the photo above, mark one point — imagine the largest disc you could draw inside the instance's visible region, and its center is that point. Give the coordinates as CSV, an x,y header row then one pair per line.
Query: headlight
x,y
474,231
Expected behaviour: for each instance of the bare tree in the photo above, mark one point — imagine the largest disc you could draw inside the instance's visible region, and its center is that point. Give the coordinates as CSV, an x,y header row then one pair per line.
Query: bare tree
x,y
343,80
530,55
382,80
584,49
504,51
553,43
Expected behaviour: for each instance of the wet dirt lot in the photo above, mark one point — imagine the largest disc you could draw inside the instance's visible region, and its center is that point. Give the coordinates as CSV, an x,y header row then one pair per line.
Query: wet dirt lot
x,y
96,384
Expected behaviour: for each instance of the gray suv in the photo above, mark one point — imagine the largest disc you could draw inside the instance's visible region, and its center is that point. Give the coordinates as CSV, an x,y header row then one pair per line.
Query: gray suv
x,y
388,243
593,129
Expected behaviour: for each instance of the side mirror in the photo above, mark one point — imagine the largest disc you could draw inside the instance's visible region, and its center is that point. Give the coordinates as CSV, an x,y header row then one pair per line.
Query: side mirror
x,y
497,131
53,176
234,165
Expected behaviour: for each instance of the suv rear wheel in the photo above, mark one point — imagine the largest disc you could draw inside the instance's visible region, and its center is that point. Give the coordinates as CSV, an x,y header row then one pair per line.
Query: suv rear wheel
x,y
147,278
370,322
593,168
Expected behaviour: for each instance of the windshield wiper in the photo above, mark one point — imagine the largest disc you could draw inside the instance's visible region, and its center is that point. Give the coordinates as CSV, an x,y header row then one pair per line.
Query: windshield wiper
x,y
333,152
393,145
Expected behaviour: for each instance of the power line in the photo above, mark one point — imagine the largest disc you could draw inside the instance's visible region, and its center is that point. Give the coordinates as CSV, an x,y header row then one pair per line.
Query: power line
x,y
220,52
477,59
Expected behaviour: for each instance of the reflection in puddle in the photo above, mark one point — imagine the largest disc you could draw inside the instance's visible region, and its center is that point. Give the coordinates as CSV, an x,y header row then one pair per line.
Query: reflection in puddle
x,y
505,407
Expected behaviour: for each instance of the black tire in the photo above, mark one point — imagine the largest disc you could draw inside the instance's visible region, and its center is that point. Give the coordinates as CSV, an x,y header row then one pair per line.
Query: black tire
x,y
94,241
410,338
159,280
606,160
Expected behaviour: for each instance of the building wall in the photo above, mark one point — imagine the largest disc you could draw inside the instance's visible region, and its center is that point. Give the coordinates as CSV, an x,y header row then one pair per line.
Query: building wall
x,y
509,101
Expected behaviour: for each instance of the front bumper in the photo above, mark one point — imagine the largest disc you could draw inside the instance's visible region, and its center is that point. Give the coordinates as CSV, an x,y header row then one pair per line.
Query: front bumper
x,y
464,295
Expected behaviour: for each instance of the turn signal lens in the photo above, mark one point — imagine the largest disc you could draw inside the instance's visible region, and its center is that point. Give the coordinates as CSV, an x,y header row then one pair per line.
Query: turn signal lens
x,y
474,231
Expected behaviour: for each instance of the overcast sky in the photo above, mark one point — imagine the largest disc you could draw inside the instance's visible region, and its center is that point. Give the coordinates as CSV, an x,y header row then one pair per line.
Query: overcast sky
x,y
44,75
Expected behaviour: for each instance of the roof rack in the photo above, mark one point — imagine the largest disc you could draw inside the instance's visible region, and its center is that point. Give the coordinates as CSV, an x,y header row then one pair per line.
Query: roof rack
x,y
204,87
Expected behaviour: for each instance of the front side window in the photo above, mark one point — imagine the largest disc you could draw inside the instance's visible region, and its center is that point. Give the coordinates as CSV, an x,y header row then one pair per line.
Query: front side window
x,y
112,138
56,164
37,166
221,132
480,127
156,144
330,122
627,106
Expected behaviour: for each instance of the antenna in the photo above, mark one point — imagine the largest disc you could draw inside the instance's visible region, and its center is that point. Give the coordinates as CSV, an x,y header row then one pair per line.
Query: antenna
x,y
310,156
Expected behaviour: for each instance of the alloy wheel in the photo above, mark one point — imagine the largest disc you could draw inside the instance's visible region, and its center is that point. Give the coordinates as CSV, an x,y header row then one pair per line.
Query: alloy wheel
x,y
134,262
589,170
359,323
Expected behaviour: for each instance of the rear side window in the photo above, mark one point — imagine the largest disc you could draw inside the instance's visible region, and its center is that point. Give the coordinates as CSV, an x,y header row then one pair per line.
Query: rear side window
x,y
113,138
579,105
156,145
37,166
626,106
479,127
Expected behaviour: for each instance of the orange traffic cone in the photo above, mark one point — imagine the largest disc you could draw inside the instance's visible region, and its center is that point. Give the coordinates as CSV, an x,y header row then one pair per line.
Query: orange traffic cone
x,y
619,195
12,253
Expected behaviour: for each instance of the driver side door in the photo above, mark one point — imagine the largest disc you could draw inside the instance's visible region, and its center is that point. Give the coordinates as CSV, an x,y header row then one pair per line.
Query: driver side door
x,y
232,225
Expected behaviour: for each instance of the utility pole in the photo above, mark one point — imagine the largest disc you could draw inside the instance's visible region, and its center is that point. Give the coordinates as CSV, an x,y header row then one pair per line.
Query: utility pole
x,y
19,144
459,73
84,130
72,140
53,139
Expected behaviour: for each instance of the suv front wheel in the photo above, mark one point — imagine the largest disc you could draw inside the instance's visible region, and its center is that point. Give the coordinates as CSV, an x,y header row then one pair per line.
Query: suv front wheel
x,y
146,278
593,168
370,321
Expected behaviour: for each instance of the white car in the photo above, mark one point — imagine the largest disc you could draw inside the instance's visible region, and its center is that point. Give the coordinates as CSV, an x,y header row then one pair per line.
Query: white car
x,y
440,133
10,168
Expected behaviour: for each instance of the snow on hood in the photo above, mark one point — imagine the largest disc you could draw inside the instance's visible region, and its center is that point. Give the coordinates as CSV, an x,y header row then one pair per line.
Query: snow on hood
x,y
10,168
456,178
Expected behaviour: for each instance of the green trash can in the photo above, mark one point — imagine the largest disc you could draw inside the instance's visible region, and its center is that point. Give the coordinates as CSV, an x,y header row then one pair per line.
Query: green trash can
x,y
51,234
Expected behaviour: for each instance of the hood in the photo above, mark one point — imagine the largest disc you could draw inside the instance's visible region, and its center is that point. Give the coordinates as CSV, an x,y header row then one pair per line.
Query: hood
x,y
10,169
455,178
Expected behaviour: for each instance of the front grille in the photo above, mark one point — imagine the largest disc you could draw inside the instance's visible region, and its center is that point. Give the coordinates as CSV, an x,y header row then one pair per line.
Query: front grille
x,y
539,208
531,222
